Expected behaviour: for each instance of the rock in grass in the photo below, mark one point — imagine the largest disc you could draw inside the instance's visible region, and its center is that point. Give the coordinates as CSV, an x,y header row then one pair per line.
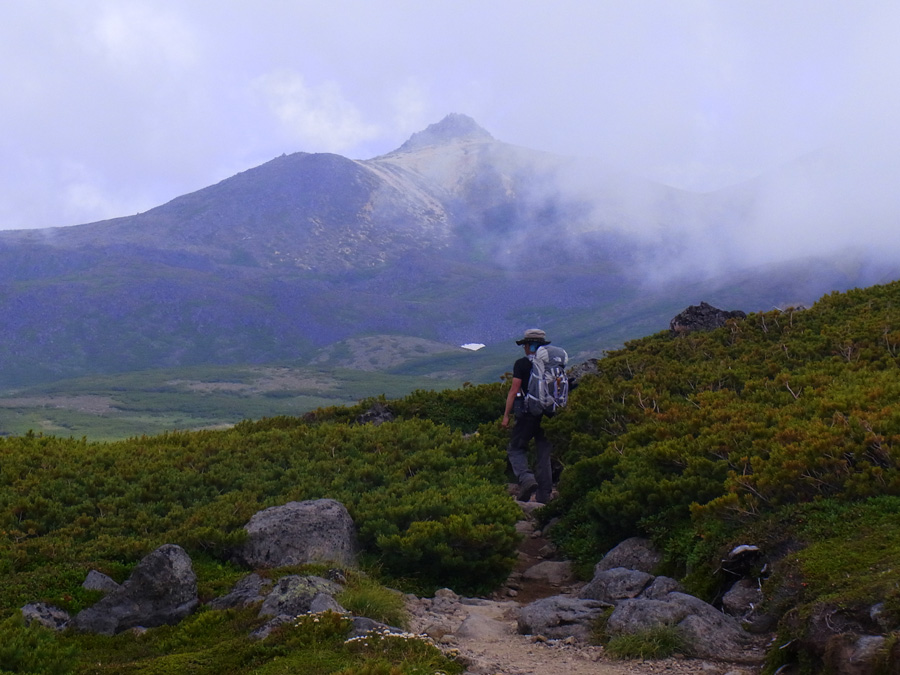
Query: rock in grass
x,y
296,533
161,590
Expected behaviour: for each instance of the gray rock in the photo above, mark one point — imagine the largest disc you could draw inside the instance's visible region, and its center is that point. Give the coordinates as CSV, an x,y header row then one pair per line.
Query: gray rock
x,y
249,590
577,373
660,588
377,415
553,572
560,617
742,599
266,629
323,602
854,654
616,584
363,625
702,317
710,633
46,615
161,590
636,553
97,581
293,595
714,635
483,628
639,614
300,532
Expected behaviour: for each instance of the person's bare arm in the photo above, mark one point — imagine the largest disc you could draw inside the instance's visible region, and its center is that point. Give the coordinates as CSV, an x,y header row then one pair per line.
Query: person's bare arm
x,y
510,398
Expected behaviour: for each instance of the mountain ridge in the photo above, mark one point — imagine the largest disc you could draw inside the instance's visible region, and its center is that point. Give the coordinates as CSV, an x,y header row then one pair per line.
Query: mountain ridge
x,y
454,127
435,240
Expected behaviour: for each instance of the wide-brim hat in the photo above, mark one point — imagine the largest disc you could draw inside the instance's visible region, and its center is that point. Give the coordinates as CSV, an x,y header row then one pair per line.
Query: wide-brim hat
x,y
534,335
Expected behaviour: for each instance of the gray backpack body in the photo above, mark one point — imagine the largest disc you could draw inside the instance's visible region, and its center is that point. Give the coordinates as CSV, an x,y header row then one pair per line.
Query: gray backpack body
x,y
548,387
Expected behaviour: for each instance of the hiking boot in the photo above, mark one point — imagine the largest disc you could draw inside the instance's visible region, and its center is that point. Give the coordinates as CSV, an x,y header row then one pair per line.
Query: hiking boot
x,y
527,490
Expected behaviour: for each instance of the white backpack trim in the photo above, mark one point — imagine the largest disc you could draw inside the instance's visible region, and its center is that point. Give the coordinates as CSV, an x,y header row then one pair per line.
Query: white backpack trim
x,y
548,387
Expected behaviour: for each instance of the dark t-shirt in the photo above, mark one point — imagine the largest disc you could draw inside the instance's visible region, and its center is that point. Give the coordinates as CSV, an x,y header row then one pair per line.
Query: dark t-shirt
x,y
522,370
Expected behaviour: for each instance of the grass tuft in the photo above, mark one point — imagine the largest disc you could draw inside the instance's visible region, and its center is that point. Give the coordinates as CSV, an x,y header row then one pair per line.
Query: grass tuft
x,y
653,643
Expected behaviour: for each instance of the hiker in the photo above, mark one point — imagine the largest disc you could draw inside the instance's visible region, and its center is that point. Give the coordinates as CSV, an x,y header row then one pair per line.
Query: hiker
x,y
528,426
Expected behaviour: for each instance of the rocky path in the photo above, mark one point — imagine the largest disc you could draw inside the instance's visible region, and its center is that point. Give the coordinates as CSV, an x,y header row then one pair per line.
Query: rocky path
x,y
483,631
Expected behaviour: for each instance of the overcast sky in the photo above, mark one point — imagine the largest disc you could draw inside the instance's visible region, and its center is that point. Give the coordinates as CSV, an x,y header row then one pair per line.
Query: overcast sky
x,y
113,107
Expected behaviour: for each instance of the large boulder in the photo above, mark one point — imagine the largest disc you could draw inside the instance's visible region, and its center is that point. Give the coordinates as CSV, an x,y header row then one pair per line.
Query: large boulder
x,y
616,584
854,654
552,572
97,581
161,590
293,595
710,633
742,599
560,617
635,553
248,591
702,317
296,533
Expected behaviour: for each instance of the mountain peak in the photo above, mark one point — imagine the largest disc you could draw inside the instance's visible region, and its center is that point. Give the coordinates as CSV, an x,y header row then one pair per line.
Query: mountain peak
x,y
453,127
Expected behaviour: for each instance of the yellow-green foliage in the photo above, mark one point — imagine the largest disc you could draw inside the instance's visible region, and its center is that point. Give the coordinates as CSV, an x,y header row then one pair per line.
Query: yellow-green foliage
x,y
363,596
780,423
783,407
461,409
217,643
33,649
409,484
652,643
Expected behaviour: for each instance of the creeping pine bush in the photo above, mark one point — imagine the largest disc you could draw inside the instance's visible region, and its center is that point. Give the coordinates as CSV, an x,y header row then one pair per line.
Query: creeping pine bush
x,y
781,408
33,649
409,486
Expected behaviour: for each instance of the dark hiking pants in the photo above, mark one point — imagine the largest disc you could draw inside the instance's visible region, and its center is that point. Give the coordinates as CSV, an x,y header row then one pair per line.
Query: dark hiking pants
x,y
527,427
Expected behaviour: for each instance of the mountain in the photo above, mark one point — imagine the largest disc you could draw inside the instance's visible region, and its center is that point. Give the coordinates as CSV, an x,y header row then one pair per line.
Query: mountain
x,y
454,237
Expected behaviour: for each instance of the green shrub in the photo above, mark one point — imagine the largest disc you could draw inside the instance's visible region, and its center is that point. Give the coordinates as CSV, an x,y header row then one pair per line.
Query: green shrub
x,y
33,649
385,647
653,643
363,596
727,426
107,505
320,629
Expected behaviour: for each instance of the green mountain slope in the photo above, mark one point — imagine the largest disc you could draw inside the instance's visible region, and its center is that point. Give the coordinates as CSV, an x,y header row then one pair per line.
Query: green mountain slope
x,y
455,237
781,430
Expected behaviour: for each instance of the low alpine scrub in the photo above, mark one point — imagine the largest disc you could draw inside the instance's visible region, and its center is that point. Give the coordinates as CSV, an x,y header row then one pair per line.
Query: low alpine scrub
x,y
363,596
33,649
410,486
703,430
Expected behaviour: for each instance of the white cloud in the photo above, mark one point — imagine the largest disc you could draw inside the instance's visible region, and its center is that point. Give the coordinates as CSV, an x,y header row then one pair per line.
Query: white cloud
x,y
137,35
155,98
318,118
411,107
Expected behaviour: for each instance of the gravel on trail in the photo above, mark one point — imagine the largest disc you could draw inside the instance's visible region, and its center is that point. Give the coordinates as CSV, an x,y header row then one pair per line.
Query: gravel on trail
x,y
482,632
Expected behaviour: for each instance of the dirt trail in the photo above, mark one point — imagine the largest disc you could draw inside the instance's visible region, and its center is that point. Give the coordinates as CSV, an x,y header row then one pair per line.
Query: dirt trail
x,y
484,630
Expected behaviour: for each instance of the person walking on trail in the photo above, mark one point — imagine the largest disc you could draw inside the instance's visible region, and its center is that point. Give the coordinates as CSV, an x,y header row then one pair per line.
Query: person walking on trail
x,y
537,483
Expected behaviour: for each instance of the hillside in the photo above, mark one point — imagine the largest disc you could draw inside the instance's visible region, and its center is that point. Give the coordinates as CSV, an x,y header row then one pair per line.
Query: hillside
x,y
431,242
779,430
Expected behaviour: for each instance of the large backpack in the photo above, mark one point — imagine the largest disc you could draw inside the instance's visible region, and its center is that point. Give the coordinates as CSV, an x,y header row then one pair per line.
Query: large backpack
x,y
548,387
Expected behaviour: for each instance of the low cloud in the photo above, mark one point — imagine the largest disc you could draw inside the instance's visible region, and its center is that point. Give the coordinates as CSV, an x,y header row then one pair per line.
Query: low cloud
x,y
134,37
318,118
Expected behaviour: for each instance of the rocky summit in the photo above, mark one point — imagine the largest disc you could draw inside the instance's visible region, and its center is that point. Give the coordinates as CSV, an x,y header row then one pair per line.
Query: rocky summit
x,y
453,237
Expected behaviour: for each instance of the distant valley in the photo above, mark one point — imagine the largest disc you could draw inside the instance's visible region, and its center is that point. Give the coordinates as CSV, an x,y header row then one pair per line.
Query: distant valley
x,y
383,268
